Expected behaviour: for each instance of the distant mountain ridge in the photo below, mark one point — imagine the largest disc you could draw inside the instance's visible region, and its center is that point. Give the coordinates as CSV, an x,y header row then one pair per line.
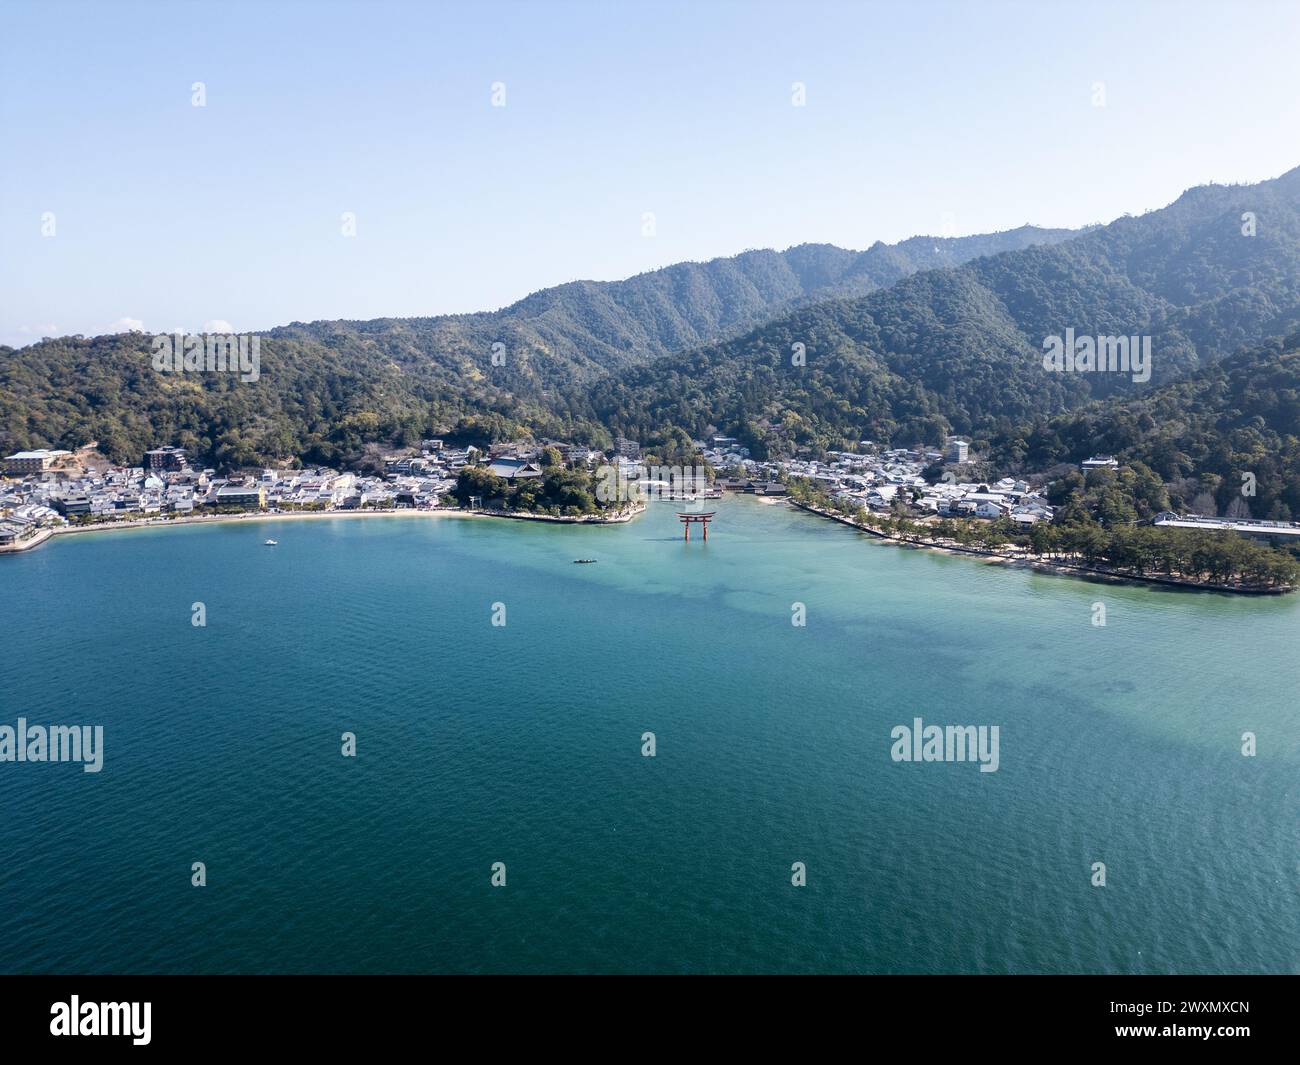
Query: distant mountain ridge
x,y
570,332
903,343
330,388
962,348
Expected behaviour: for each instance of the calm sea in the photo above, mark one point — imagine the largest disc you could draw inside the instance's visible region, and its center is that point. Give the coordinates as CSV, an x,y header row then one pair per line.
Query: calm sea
x,y
522,744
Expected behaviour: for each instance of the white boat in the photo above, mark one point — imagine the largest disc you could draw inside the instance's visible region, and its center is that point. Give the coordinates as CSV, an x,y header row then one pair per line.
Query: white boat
x,y
271,543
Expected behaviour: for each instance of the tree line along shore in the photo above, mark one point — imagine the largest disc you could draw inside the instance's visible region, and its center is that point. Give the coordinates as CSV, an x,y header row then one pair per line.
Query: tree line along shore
x,y
1219,561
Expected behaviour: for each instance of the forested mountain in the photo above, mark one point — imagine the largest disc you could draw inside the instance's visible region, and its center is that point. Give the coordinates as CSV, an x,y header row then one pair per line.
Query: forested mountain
x,y
951,347
564,335
327,388
313,401
1226,439
963,348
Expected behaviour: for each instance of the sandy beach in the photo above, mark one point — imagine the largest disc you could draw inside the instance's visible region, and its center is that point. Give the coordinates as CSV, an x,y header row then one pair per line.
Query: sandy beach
x,y
47,534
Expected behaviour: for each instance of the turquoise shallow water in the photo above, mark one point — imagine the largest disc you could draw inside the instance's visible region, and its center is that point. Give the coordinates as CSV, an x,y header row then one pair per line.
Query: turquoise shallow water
x,y
522,744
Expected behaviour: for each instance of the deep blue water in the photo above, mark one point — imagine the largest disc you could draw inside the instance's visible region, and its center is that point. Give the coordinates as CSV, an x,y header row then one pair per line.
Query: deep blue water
x,y
522,744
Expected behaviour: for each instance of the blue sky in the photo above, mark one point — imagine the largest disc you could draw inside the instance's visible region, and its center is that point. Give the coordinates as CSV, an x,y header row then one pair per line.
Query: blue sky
x,y
920,117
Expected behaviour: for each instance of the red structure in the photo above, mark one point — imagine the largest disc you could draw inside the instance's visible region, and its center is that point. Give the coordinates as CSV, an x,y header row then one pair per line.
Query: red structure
x,y
688,520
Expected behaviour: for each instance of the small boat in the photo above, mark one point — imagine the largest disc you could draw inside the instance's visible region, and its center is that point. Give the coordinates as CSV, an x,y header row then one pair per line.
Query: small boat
x,y
271,543
583,561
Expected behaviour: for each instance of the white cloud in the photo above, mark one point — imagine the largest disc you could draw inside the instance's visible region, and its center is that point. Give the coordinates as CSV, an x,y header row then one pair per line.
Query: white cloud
x,y
218,325
23,335
126,325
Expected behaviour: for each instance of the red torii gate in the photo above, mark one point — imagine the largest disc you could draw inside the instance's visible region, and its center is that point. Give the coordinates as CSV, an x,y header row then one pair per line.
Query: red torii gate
x,y
688,520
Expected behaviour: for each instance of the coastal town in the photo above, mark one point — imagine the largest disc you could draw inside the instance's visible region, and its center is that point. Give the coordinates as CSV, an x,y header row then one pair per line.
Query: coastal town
x,y
49,488
894,479
46,490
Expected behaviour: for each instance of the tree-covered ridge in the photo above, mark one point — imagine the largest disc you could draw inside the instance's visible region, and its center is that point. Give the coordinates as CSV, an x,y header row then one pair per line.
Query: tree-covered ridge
x,y
572,332
327,389
962,348
1226,439
958,348
317,402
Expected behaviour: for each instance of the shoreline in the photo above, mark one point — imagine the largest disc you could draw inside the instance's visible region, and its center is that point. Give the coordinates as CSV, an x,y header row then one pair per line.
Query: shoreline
x,y
1061,569
45,535
1064,569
